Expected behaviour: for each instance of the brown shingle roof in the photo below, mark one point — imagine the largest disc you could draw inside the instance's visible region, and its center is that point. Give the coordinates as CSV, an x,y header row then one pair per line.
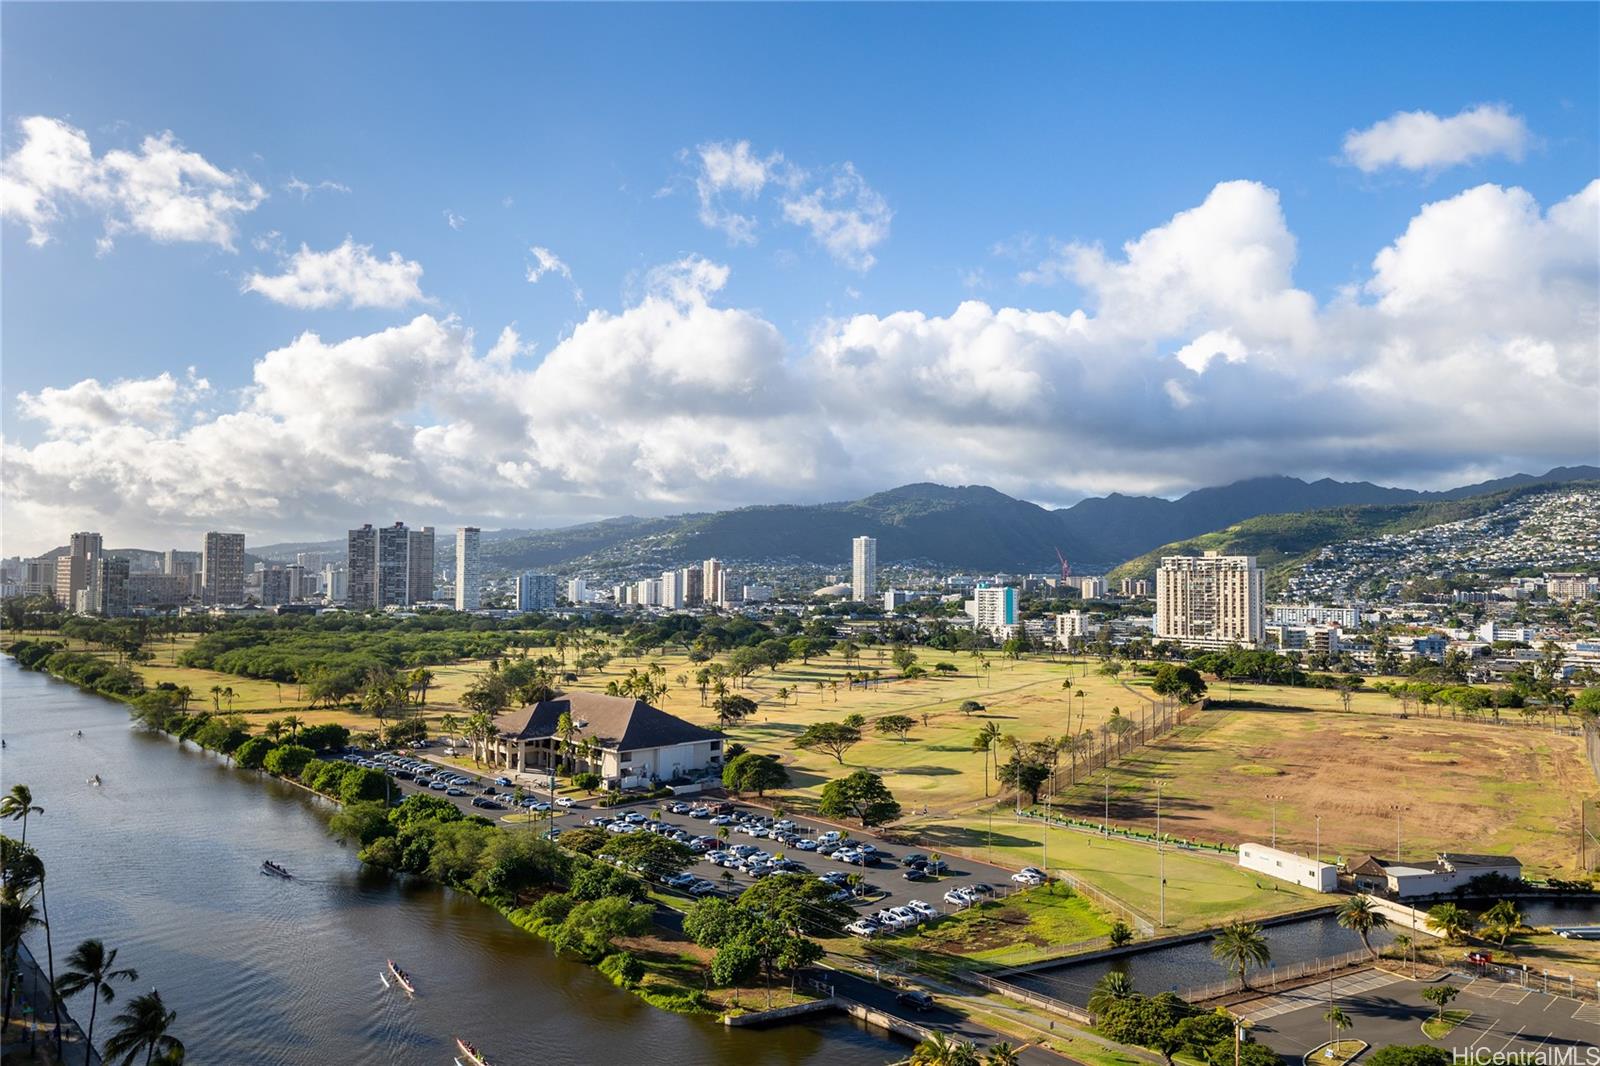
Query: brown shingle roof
x,y
616,721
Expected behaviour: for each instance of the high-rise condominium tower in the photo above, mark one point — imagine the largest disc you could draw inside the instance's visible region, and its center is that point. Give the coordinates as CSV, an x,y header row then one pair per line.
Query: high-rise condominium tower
x,y
864,568
222,568
420,583
362,584
394,566
1210,601
469,583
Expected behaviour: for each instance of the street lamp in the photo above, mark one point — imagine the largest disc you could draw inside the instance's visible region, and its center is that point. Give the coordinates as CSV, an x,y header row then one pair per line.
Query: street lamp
x,y
1319,839
1161,859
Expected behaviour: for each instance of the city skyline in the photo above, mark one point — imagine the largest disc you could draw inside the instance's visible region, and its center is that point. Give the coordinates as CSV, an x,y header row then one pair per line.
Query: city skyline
x,y
1393,279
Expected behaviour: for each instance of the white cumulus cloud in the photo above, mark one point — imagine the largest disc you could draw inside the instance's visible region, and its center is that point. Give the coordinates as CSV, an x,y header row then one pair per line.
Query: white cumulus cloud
x,y
1421,140
160,191
348,275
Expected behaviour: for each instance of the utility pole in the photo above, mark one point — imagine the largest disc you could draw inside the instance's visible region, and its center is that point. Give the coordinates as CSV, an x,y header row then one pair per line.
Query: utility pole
x,y
1319,839
1107,823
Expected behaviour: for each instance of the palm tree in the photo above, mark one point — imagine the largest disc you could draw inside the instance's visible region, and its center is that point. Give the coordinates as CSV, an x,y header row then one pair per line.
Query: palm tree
x,y
272,730
1240,945
941,1050
143,1026
566,729
17,916
1337,1020
1503,919
216,697
1450,921
292,723
91,966
17,805
1001,1054
1359,916
1111,989
27,870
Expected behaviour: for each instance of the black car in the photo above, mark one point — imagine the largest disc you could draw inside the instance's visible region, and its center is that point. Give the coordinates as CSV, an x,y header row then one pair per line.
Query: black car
x,y
488,790
916,873
915,858
915,998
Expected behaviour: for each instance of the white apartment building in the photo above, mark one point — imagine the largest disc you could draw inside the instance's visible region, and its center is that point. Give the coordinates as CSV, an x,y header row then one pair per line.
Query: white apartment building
x,y
1565,588
1493,631
335,583
578,590
714,582
894,599
646,593
757,593
672,583
1070,626
1092,588
1315,614
863,568
1210,601
469,571
536,592
994,610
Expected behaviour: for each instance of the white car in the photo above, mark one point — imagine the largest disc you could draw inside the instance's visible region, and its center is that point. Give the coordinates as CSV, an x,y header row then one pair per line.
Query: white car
x,y
906,915
892,919
722,819
563,801
863,927
923,908
636,818
1031,878
805,845
830,837
958,897
700,812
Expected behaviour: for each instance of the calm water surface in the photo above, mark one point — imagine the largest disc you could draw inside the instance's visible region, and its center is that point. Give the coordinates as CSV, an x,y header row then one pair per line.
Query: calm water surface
x,y
162,861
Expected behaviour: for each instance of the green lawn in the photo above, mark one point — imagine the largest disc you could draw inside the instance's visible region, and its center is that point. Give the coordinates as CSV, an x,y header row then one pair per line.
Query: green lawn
x,y
1437,1028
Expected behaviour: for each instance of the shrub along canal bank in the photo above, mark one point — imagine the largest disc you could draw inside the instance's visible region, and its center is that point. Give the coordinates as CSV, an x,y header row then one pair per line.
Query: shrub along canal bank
x,y
165,818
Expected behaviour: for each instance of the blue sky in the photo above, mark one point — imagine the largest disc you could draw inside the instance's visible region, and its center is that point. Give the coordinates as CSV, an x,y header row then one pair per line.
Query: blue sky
x,y
982,144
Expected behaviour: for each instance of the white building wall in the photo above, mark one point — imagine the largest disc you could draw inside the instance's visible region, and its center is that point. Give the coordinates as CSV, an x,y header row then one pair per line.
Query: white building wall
x,y
1287,866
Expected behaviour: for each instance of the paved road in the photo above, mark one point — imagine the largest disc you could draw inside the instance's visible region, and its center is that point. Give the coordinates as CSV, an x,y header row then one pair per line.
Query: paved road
x,y
1505,1019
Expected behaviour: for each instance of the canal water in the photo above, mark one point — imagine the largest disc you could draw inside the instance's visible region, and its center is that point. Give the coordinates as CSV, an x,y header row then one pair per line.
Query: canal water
x,y
1190,965
163,862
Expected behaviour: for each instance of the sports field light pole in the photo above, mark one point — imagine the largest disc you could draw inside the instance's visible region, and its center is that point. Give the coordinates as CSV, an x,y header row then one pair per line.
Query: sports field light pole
x,y
1319,839
1161,859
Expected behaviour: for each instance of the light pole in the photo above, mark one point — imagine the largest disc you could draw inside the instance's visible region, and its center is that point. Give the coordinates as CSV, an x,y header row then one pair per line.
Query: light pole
x,y
1274,797
1319,839
1107,823
1161,859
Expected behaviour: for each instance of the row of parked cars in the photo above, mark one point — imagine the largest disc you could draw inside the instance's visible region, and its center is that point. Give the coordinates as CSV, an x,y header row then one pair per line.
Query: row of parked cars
x,y
893,919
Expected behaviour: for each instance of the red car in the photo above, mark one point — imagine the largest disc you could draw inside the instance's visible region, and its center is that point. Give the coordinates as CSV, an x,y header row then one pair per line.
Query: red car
x,y
1481,958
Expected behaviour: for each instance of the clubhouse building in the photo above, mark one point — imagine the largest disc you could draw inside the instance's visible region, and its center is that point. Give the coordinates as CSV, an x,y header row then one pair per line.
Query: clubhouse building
x,y
626,741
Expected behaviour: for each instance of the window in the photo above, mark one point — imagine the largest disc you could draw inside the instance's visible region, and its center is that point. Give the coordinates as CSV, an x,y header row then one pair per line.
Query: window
x,y
627,756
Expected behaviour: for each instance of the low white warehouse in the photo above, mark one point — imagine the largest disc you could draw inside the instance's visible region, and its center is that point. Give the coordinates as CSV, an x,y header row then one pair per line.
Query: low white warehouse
x,y
1287,866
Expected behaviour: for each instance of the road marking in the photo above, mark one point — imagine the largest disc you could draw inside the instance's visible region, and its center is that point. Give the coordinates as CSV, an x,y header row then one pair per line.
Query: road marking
x,y
1587,1012
1485,1031
1512,1037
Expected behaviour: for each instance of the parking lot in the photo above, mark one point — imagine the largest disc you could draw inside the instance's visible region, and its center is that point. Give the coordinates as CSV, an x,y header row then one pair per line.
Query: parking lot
x,y
1504,1019
883,870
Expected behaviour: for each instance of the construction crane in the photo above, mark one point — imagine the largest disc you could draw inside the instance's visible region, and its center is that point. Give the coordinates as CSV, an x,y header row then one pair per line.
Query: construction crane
x,y
1066,567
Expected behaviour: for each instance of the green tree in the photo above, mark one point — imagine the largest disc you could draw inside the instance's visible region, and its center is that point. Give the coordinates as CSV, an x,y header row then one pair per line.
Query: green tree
x,y
1409,1055
1183,683
863,796
1113,988
288,760
17,804
1337,1021
590,927
802,903
1502,919
834,738
92,967
1240,945
896,725
753,772
649,854
1440,996
252,754
143,1027
1121,934
1450,921
1358,915
362,822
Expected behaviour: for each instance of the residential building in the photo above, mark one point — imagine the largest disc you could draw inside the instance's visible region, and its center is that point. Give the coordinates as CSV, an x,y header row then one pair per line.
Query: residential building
x,y
107,593
638,743
1492,631
361,585
1307,639
469,576
994,610
222,568
894,599
1070,626
1566,588
577,591
301,582
1445,873
394,567
536,592
1135,588
149,589
336,583
646,593
312,561
419,573
863,568
714,582
672,590
73,572
273,586
1210,601
1092,588
39,577
694,585
757,593
1287,866
1315,614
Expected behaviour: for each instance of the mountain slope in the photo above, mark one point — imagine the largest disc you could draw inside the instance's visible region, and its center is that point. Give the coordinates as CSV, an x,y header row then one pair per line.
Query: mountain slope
x,y
1282,542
